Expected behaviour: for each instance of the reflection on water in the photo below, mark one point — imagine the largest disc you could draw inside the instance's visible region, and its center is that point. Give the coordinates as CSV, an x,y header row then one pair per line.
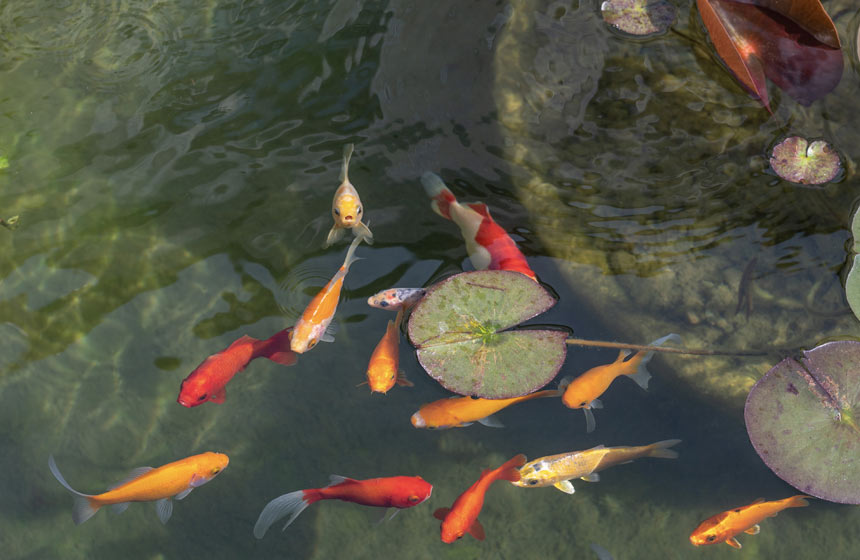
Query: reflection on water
x,y
173,165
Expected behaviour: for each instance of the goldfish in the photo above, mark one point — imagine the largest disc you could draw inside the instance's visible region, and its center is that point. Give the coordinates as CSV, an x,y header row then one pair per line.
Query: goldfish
x,y
557,470
488,245
395,491
346,207
395,298
208,380
313,325
383,369
457,412
582,392
145,484
724,526
462,516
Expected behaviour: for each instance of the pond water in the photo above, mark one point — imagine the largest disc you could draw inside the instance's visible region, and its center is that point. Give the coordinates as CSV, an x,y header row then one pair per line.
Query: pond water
x,y
173,165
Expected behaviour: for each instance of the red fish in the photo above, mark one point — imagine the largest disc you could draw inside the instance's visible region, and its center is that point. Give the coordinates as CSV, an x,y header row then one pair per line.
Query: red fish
x,y
394,491
489,246
462,517
208,380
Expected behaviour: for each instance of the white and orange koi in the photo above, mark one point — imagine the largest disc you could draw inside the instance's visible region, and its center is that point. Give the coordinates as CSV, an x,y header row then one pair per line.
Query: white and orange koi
x,y
346,207
395,298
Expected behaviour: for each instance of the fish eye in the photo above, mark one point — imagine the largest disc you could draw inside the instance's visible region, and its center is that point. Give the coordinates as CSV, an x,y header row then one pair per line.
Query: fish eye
x,y
203,396
711,538
413,499
216,470
336,212
358,210
583,403
312,343
532,481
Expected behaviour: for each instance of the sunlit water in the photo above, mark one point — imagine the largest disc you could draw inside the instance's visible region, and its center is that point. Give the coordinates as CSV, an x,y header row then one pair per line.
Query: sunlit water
x,y
173,164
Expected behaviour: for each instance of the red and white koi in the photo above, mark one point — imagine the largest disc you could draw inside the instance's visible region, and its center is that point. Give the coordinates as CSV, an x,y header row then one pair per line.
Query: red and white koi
x,y
346,208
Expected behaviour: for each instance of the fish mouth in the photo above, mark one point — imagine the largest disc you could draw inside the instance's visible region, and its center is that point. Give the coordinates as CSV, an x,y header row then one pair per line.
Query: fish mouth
x,y
185,403
417,420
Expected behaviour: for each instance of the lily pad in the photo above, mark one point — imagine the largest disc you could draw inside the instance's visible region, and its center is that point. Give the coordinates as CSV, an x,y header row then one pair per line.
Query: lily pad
x,y
4,162
802,418
852,282
639,17
808,163
459,331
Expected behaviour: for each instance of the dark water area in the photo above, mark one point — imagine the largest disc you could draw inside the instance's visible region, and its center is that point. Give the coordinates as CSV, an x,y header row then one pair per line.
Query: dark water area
x,y
173,164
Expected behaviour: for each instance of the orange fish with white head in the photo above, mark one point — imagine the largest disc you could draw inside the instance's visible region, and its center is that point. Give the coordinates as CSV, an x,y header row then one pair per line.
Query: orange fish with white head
x,y
346,207
724,526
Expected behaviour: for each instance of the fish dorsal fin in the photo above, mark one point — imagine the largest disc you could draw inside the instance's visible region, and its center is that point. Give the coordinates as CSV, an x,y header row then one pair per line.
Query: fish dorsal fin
x,y
244,339
595,448
480,208
441,513
164,509
133,475
335,479
477,530
758,501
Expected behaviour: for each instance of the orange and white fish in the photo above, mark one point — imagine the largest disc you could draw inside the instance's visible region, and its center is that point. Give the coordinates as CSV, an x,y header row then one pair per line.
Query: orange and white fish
x,y
313,325
393,491
346,207
582,392
488,245
724,526
145,484
383,371
457,412
462,516
395,298
558,470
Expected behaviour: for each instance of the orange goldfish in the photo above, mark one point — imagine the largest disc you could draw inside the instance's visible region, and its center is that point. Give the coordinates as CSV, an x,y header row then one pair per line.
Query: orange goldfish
x,y
724,526
582,392
314,322
457,412
462,517
382,371
393,491
146,484
346,207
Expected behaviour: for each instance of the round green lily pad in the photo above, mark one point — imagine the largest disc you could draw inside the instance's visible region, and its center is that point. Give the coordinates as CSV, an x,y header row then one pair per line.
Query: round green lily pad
x,y
797,160
459,331
852,282
639,17
802,418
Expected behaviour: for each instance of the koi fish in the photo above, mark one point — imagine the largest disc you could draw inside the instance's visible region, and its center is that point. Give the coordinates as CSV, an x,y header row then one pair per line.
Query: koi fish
x,y
724,526
582,392
488,245
395,298
346,207
313,325
462,517
557,470
145,484
395,491
458,412
208,380
383,369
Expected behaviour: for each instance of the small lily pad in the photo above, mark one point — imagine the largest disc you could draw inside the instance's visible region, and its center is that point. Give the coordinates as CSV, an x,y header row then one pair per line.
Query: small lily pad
x,y
852,282
797,160
802,418
639,17
459,331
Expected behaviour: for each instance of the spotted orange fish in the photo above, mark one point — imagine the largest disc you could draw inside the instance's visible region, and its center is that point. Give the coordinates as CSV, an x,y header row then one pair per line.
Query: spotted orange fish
x,y
724,526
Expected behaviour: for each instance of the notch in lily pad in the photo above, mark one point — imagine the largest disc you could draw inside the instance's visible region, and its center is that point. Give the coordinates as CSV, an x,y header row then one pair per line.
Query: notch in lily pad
x,y
797,160
802,419
639,17
461,332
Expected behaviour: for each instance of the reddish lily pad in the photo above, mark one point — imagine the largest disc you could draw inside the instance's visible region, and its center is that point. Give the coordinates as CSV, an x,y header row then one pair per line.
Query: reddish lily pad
x,y
460,331
797,160
802,418
639,17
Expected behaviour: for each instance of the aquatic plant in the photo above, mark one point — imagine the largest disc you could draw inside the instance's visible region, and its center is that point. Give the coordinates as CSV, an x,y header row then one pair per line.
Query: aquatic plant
x,y
802,419
4,162
460,330
852,282
639,17
797,160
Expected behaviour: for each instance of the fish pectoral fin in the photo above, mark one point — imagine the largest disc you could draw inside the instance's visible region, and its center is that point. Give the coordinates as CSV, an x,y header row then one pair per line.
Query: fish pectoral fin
x,y
491,422
590,422
184,493
164,509
477,530
402,381
328,334
441,513
565,486
334,235
119,508
591,477
596,403
133,475
754,530
196,482
219,396
362,230
733,542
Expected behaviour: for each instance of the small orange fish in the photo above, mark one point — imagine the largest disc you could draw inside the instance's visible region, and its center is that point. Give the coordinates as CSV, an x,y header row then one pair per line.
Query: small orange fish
x,y
346,207
382,371
314,322
462,517
724,526
582,392
457,412
146,484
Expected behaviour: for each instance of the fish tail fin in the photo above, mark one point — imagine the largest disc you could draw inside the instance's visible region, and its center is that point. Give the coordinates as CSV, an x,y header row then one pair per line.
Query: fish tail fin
x,y
509,469
662,451
642,376
442,196
350,253
347,154
277,348
797,501
85,506
291,504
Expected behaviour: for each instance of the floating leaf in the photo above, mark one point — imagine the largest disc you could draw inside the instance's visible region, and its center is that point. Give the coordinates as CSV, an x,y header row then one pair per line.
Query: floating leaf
x,y
459,331
796,160
639,17
852,282
792,42
802,417
4,162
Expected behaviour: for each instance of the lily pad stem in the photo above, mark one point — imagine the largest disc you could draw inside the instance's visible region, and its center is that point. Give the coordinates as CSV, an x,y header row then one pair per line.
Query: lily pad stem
x,y
695,351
